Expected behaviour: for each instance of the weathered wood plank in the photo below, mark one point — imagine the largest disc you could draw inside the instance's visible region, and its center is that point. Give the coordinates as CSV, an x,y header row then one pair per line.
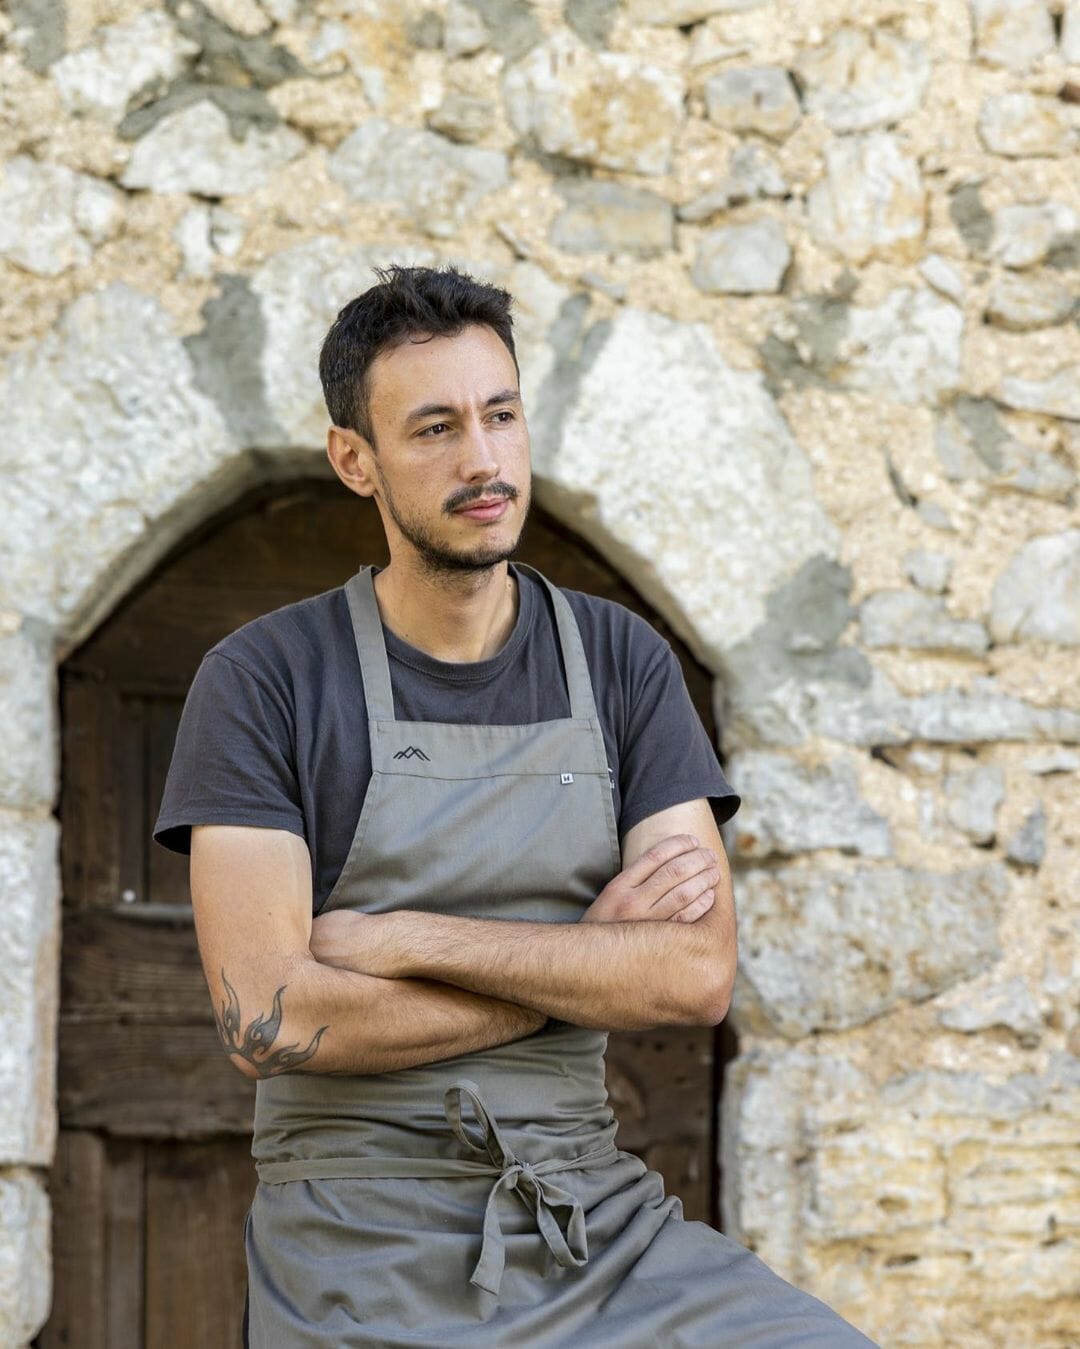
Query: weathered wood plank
x,y
77,1191
88,806
116,966
660,1086
151,1081
167,872
125,1214
196,1198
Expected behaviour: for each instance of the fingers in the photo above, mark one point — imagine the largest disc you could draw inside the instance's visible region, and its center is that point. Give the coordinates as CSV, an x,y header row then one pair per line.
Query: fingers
x,y
659,855
698,908
665,880
685,893
684,877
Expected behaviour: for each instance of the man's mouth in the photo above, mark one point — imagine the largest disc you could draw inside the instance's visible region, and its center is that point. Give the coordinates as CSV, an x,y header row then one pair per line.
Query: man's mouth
x,y
486,508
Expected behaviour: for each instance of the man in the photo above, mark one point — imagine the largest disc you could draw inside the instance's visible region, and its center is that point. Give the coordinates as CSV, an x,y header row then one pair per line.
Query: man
x,y
499,804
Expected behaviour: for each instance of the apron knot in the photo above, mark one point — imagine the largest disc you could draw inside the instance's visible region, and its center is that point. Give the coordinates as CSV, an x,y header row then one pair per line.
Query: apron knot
x,y
565,1240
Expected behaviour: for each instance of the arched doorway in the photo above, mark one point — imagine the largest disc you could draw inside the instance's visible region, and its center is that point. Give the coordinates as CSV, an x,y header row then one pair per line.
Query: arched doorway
x,y
153,1173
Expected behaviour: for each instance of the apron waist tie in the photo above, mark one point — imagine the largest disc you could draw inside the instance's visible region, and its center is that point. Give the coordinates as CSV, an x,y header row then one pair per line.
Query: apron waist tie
x,y
528,1180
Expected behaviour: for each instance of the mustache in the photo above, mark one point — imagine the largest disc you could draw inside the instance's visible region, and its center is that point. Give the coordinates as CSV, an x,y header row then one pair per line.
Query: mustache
x,y
469,494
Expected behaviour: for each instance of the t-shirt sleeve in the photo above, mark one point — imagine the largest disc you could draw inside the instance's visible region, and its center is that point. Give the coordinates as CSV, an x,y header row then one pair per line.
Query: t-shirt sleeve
x,y
667,757
233,761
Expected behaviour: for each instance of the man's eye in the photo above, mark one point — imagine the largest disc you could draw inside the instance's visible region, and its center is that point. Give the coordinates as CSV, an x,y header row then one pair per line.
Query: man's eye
x,y
439,426
505,413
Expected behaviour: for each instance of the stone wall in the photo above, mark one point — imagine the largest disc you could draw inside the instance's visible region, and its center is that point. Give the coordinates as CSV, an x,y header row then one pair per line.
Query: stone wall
x,y
797,305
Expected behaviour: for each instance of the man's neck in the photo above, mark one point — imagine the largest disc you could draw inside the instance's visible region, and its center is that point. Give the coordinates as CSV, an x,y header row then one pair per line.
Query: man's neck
x,y
457,617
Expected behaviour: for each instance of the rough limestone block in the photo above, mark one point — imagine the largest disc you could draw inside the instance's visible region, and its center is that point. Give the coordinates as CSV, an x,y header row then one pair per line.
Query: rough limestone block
x,y
753,473
974,445
1037,596
753,98
791,808
752,172
1070,32
1050,761
1023,1192
881,935
1013,33
51,218
762,1140
1023,235
29,764
871,202
193,150
750,259
1010,1004
609,218
876,1181
463,117
984,713
929,571
1020,303
242,16
25,1256
861,79
30,965
943,1104
1027,847
118,61
906,349
946,279
906,618
1058,395
973,796
437,183
108,399
540,306
464,30
512,26
605,108
206,234
1021,125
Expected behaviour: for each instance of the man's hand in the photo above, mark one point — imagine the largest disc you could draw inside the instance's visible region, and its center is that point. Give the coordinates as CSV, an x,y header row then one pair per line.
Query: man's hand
x,y
674,879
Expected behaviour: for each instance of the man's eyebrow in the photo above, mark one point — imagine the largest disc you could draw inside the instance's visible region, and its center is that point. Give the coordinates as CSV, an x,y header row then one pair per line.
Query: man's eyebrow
x,y
444,409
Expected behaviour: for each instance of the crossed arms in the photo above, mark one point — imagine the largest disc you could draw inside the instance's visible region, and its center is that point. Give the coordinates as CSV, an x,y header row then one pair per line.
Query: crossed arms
x,y
363,993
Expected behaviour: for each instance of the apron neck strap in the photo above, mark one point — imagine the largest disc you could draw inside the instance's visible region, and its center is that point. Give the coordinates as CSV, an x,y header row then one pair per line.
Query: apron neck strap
x,y
578,682
375,668
370,645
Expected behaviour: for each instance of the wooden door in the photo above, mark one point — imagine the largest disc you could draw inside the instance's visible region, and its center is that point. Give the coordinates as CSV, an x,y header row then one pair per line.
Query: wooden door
x,y
153,1174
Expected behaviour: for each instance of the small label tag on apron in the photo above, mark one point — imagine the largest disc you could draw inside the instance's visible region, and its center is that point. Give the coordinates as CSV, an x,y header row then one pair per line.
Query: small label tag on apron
x,y
567,778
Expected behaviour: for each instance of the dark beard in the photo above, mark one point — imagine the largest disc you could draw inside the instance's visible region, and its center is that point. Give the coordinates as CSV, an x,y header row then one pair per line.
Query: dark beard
x,y
441,560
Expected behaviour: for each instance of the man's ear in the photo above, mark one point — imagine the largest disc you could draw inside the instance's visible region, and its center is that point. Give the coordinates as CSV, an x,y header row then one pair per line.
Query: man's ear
x,y
352,456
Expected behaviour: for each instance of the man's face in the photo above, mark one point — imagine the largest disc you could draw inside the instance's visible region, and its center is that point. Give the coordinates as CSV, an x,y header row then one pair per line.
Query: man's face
x,y
452,458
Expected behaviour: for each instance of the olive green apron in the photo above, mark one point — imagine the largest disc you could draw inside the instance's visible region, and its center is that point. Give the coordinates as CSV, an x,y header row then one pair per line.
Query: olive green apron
x,y
384,1215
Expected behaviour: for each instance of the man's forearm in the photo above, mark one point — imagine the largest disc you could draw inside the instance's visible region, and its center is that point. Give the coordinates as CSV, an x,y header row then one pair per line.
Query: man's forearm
x,y
609,976
324,1020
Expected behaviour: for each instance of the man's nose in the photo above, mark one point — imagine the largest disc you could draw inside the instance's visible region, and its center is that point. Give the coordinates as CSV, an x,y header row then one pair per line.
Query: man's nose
x,y
479,462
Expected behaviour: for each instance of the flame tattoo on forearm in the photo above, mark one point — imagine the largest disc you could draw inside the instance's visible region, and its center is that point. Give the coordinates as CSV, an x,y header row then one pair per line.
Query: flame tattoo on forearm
x,y
255,1044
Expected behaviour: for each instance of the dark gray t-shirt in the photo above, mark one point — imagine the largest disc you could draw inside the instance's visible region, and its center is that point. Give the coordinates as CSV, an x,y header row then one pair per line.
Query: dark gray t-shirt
x,y
274,728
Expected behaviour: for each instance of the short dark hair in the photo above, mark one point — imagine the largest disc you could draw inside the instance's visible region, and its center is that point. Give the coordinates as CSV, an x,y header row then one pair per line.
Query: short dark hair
x,y
407,302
